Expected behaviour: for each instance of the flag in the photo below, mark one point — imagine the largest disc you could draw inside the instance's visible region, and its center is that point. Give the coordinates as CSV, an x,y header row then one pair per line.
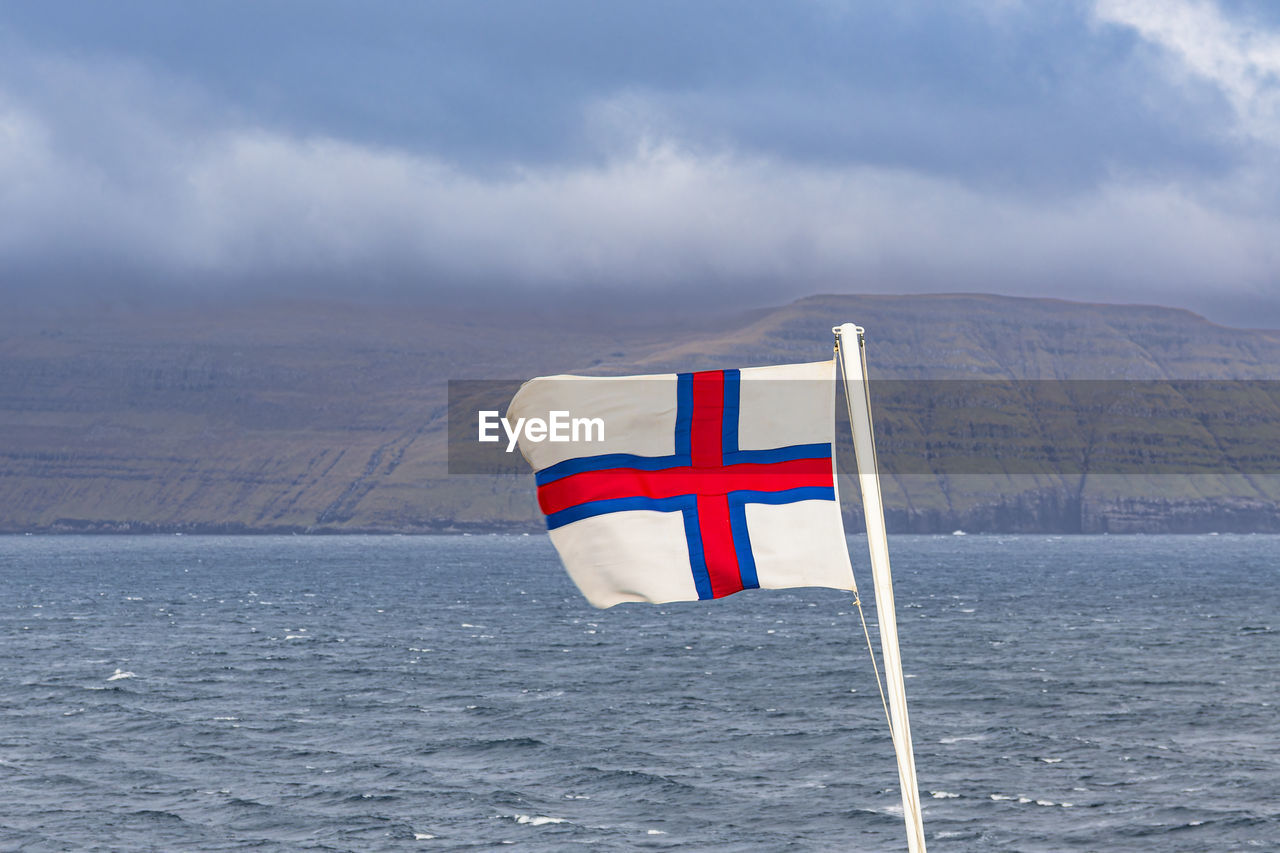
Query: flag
x,y
680,487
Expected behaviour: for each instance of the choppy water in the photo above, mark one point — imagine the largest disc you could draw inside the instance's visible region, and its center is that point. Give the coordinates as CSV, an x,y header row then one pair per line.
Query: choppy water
x,y
386,693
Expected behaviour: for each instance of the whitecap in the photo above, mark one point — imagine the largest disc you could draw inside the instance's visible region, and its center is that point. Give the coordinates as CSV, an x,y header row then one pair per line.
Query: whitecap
x,y
1052,760
943,795
422,836
538,820
654,832
119,674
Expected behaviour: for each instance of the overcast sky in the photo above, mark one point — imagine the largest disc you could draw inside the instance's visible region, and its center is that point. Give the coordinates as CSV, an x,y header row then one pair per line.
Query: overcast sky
x,y
1118,150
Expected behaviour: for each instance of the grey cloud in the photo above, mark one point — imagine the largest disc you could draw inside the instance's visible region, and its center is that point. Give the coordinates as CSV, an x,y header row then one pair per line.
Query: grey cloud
x,y
1032,94
680,174
243,202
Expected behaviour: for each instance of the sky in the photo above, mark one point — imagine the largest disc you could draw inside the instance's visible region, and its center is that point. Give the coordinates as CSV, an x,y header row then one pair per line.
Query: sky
x,y
737,152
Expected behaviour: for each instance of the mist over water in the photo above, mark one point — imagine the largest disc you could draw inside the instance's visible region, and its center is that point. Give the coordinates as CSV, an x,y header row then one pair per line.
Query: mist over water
x,y
453,693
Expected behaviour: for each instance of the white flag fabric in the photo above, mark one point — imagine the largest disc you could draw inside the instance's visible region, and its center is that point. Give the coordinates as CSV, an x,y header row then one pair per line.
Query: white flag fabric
x,y
679,487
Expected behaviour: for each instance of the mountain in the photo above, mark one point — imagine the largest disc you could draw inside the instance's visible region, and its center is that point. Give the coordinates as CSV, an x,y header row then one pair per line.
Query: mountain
x,y
333,417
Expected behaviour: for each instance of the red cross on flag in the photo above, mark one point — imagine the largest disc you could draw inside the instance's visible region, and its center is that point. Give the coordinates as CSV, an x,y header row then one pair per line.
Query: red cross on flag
x,y
678,487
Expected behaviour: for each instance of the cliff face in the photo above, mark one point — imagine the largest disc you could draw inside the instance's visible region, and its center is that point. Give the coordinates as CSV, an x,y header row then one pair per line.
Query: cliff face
x,y
333,417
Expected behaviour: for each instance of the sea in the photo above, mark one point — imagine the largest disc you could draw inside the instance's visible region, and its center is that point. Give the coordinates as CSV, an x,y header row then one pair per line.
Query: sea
x,y
358,693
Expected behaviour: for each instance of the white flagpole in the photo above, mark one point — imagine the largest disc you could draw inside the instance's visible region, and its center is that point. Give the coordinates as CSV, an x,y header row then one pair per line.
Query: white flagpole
x,y
853,356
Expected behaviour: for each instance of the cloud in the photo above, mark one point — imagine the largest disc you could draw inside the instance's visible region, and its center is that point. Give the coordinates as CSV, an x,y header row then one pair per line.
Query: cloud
x,y
1241,59
241,202
1003,92
112,173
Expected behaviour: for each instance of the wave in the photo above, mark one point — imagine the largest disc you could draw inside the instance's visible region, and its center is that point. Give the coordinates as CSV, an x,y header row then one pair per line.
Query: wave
x,y
633,778
1021,800
538,820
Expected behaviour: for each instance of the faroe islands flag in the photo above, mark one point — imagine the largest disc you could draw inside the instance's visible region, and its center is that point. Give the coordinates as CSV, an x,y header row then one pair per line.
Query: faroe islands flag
x,y
679,487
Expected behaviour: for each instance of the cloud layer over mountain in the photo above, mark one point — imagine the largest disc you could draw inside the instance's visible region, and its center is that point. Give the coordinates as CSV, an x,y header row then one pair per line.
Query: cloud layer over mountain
x,y
1119,150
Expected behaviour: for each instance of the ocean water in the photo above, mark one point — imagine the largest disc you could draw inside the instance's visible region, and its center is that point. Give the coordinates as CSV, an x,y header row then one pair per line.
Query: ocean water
x,y
455,693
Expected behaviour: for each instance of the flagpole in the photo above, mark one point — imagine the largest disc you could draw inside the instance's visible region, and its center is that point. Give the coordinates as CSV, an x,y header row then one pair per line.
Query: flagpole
x,y
855,378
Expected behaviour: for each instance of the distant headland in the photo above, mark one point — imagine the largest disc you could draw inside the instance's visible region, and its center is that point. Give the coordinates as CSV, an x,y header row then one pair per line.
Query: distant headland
x,y
328,418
